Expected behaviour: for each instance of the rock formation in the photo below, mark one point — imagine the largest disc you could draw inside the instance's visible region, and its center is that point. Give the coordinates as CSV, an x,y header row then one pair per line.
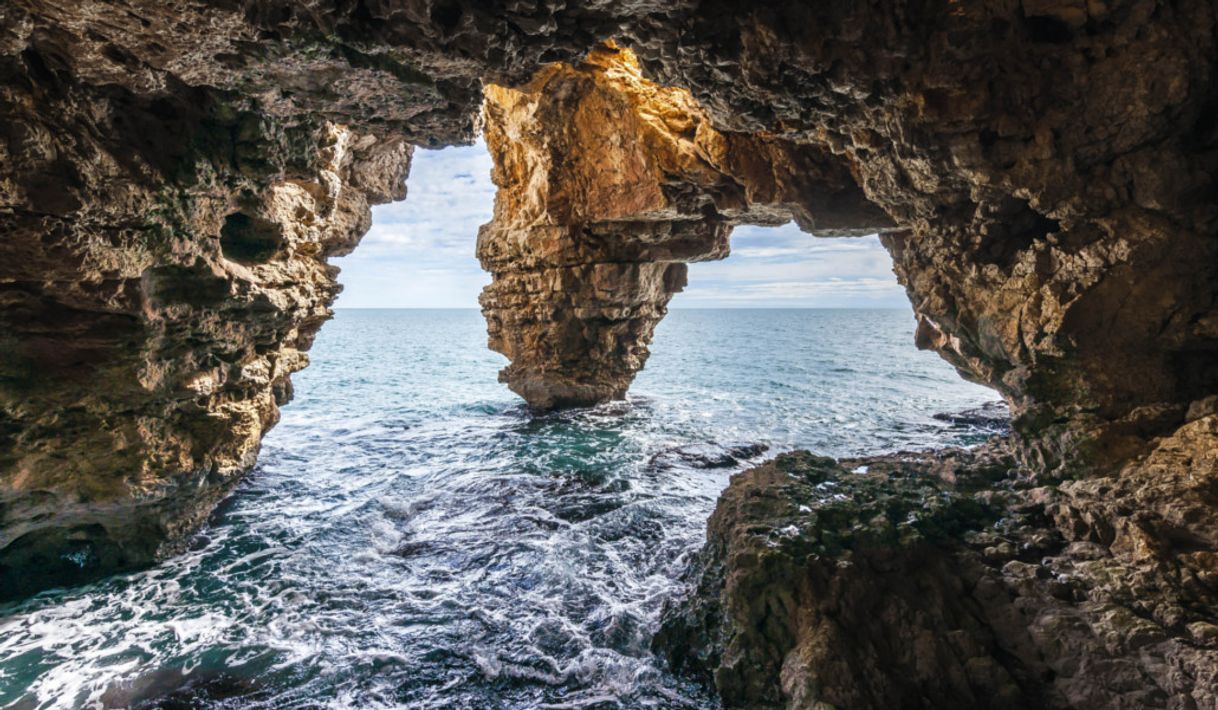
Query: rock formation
x,y
174,175
1049,170
162,271
952,579
608,185
149,329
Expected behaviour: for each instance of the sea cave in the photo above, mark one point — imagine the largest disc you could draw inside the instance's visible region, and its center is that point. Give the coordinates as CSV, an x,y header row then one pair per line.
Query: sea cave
x,y
176,177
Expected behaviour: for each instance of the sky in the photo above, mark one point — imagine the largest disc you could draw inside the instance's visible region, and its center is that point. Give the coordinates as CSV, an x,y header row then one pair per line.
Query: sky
x,y
420,253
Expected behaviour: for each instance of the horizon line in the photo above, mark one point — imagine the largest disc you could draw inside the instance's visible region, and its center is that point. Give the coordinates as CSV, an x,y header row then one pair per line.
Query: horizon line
x,y
681,308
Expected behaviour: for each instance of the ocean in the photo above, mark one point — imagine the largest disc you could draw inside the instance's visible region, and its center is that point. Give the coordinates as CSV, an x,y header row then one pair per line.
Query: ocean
x,y
413,536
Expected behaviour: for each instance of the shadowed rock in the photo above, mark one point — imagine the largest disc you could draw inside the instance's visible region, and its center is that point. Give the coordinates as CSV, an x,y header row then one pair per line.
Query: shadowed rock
x,y
174,176
949,579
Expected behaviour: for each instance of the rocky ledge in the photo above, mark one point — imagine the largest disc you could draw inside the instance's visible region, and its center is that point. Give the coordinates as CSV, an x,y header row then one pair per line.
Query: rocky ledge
x,y
954,579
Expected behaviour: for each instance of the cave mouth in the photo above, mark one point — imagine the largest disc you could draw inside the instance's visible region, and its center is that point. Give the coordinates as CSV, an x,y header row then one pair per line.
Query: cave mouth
x,y
419,252
175,180
405,483
408,507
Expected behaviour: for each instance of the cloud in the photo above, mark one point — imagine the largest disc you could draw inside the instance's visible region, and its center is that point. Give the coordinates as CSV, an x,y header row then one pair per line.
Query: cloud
x,y
420,253
783,267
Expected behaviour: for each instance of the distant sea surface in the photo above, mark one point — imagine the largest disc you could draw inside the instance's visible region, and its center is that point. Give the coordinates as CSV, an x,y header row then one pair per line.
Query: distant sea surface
x,y
414,537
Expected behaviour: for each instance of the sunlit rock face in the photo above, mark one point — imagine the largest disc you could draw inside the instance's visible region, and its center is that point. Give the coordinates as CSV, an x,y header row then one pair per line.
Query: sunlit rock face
x,y
608,186
173,176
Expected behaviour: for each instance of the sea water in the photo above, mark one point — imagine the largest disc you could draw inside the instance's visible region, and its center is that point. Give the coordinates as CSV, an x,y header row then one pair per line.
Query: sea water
x,y
414,537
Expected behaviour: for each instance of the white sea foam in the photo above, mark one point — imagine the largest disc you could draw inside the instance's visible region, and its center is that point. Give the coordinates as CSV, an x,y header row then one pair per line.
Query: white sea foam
x,y
414,537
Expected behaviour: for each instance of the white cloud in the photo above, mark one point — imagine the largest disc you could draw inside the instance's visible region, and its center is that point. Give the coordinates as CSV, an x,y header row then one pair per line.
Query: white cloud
x,y
783,267
420,253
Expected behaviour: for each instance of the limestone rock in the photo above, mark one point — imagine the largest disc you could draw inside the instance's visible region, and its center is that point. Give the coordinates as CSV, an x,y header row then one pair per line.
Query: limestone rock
x,y
136,397
608,185
175,173
950,579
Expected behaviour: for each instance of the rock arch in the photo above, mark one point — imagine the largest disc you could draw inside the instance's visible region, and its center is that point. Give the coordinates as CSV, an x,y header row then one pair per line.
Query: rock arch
x,y
608,185
1043,172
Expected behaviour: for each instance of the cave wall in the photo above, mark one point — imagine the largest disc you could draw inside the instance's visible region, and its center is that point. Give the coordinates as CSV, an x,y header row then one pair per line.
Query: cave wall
x,y
162,272
173,176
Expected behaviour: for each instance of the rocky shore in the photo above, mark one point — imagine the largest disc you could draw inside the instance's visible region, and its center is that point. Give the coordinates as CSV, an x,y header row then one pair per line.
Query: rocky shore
x,y
955,579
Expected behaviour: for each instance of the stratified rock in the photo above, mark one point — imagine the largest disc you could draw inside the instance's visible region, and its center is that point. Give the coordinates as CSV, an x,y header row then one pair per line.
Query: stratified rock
x,y
608,185
948,580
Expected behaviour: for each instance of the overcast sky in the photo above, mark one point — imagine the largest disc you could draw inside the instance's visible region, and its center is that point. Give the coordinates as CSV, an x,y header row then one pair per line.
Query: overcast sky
x,y
420,253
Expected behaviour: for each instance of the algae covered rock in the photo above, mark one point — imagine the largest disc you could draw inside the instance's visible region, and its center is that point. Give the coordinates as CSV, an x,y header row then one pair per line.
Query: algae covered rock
x,y
823,585
954,579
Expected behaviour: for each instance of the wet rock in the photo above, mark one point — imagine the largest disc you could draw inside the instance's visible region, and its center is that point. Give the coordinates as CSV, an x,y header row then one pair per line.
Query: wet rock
x,y
957,591
992,418
707,455
173,688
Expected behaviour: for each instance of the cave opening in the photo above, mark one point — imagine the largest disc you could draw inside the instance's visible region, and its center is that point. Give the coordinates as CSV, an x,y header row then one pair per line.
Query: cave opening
x,y
434,484
418,256
404,467
419,252
829,335
177,176
778,282
249,240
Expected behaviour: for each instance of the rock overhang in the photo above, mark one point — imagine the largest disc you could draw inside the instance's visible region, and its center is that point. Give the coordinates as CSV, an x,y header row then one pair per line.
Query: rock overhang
x,y
1043,180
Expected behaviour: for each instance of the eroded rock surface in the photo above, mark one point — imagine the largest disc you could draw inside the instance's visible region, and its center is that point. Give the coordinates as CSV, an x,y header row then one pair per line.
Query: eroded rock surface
x,y
950,579
174,174
141,374
163,269
608,186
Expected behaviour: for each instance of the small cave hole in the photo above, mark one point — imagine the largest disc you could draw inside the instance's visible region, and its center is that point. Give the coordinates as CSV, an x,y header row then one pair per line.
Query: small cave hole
x,y
447,15
249,240
1012,227
1197,370
1049,30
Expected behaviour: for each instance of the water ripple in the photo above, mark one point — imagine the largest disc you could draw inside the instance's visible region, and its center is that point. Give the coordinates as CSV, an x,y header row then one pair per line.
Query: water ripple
x,y
414,537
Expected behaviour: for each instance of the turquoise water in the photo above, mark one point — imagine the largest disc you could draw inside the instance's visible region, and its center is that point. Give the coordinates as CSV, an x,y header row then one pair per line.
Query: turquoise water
x,y
414,537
